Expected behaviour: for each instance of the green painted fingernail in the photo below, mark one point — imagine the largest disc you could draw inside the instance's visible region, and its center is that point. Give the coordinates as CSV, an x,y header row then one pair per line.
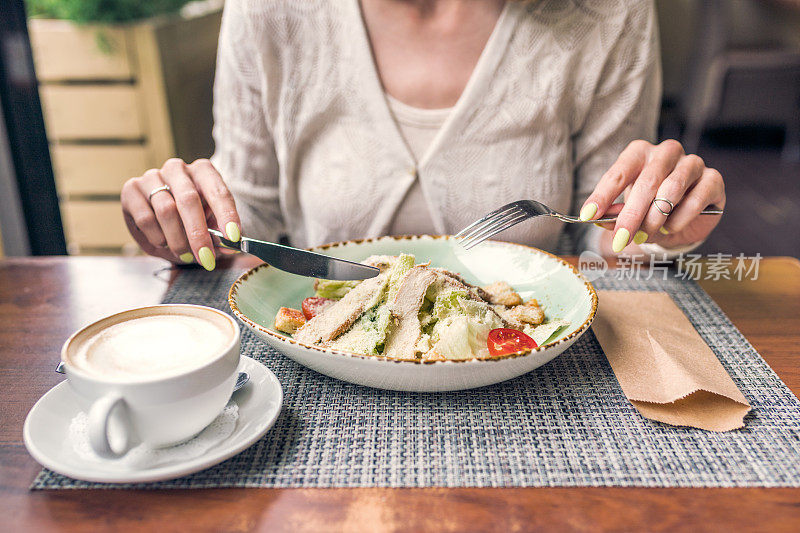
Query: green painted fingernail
x,y
639,237
588,211
232,229
663,230
187,257
207,258
599,225
620,241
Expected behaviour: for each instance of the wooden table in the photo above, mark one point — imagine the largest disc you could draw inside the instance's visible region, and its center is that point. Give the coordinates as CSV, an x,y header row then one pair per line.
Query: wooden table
x,y
43,300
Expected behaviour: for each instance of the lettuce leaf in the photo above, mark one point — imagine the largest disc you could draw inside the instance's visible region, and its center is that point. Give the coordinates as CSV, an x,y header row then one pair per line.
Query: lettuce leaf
x,y
456,302
397,272
332,288
368,334
448,303
460,337
544,333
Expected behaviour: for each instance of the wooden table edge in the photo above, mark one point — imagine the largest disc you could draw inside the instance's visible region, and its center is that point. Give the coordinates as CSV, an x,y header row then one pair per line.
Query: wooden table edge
x,y
546,508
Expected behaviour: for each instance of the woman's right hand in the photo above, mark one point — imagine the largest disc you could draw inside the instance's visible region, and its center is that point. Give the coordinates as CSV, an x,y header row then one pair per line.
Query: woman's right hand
x,y
174,224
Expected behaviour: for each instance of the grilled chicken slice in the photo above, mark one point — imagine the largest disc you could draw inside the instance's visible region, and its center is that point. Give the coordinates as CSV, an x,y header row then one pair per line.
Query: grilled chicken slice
x,y
405,308
338,318
456,281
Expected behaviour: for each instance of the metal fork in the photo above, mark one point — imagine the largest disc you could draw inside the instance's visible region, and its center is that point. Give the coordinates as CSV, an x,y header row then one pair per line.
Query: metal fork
x,y
512,214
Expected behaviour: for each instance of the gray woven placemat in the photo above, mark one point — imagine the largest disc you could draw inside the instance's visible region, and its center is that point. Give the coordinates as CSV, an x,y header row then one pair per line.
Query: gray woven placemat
x,y
564,424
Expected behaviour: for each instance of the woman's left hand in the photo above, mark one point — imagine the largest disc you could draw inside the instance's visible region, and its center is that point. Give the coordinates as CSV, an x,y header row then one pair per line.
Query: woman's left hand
x,y
644,172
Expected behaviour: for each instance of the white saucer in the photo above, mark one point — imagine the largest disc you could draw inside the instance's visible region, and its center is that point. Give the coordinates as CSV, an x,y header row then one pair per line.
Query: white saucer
x,y
47,425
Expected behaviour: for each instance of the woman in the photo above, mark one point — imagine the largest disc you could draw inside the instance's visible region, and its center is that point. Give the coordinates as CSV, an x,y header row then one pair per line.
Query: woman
x,y
345,119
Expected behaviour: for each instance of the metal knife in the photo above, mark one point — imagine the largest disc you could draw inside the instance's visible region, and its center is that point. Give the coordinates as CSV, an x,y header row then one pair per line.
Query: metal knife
x,y
297,261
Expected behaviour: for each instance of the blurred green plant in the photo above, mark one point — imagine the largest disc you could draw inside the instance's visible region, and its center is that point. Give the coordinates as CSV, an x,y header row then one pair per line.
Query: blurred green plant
x,y
82,11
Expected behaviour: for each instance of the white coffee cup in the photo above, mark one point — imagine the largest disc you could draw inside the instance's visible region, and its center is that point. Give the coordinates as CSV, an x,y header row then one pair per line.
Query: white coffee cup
x,y
156,375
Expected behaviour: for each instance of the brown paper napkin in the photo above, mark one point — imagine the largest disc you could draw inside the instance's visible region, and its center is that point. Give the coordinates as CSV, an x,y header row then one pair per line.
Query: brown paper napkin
x,y
665,369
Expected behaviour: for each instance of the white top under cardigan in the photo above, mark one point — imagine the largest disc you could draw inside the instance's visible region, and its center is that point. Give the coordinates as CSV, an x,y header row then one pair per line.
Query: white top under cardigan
x,y
308,145
419,128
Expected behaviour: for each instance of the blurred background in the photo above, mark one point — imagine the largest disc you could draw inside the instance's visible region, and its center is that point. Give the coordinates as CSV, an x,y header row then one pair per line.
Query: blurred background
x,y
97,91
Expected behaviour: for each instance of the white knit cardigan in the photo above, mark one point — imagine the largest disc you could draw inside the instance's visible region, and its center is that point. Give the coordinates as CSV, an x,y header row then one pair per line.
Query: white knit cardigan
x,y
308,146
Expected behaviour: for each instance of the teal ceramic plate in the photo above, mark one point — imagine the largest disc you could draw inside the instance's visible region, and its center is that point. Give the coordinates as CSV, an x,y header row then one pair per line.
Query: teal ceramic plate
x,y
563,292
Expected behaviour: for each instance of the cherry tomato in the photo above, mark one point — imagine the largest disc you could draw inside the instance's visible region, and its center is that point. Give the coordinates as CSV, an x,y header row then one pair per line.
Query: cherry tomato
x,y
504,341
313,306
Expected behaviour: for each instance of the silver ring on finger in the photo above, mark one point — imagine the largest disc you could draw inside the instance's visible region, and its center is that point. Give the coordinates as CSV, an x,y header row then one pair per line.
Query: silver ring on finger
x,y
158,190
666,212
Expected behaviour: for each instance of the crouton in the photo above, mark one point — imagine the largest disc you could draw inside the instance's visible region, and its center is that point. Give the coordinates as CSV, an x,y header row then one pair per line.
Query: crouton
x,y
501,293
288,320
528,313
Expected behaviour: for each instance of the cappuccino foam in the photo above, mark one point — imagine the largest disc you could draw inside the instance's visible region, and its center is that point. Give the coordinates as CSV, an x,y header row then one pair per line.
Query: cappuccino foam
x,y
151,347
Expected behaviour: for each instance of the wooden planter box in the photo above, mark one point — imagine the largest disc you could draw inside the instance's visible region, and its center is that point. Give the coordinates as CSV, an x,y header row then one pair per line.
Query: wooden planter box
x,y
118,100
